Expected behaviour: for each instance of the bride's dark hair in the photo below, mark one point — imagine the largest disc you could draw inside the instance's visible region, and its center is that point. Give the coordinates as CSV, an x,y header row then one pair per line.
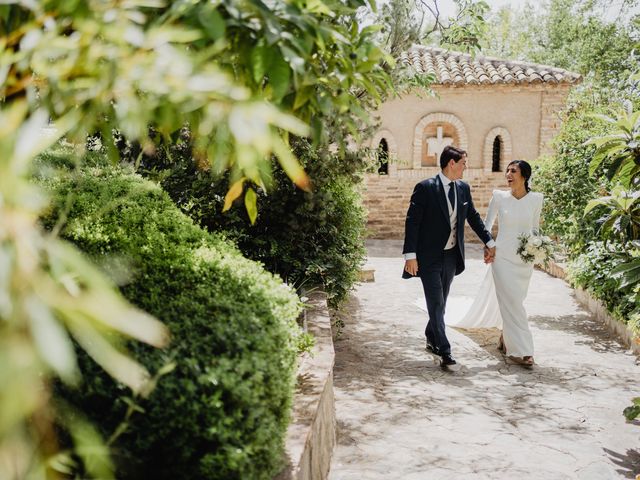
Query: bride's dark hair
x,y
525,171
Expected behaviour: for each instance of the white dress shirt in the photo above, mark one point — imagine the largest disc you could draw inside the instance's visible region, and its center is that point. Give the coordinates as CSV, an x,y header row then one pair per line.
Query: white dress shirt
x,y
453,211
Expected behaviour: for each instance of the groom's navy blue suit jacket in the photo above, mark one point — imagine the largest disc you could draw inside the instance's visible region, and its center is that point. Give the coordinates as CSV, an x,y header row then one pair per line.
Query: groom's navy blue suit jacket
x,y
427,226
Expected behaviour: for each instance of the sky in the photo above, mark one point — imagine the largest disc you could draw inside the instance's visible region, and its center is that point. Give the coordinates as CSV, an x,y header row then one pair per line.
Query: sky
x,y
447,7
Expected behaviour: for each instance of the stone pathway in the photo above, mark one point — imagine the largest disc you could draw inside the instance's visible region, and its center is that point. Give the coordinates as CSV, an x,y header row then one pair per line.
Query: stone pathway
x,y
399,416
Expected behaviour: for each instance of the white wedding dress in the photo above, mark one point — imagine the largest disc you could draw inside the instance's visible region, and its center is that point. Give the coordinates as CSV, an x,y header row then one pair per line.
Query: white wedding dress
x,y
499,302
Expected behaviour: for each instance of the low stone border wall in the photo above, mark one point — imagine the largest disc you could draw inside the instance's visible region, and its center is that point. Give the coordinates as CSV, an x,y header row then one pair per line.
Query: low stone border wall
x,y
598,310
311,435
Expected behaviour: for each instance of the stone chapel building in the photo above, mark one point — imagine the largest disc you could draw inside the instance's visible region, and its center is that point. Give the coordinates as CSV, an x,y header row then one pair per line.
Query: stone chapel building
x,y
496,110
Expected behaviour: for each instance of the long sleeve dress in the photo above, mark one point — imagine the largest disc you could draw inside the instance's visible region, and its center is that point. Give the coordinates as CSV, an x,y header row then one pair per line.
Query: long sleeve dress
x,y
499,302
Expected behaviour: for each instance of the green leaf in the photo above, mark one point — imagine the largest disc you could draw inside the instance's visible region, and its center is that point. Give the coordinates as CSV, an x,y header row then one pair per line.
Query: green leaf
x,y
371,29
250,200
613,166
624,172
302,97
289,123
597,202
30,140
89,445
596,161
599,141
279,78
234,192
628,272
180,35
634,118
63,462
262,57
52,340
319,7
290,164
212,21
116,363
98,303
167,368
317,130
295,61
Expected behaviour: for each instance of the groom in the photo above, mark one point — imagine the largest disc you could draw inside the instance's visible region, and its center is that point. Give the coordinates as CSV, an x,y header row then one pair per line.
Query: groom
x,y
434,241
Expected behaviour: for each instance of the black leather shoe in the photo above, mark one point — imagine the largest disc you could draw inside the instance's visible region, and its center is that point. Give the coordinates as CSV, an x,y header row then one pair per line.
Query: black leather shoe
x,y
448,362
431,348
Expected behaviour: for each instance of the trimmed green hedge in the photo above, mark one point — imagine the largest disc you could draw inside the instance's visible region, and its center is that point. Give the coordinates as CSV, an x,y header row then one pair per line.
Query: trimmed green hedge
x,y
223,412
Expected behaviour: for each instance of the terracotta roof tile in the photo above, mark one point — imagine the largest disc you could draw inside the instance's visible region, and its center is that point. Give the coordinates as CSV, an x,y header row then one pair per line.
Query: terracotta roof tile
x,y
459,68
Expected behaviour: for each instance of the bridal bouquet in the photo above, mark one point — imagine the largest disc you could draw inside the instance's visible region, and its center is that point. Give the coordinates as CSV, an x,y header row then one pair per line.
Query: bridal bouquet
x,y
535,248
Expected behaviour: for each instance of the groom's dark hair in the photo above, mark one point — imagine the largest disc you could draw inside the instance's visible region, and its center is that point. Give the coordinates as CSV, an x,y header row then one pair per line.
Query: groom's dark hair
x,y
451,153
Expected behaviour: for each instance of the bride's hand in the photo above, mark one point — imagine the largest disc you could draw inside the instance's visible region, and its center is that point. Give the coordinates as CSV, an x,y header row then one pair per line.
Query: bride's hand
x,y
489,255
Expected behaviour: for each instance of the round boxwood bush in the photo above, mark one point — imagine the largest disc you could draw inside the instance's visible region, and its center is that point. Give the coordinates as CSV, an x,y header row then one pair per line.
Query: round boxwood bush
x,y
222,413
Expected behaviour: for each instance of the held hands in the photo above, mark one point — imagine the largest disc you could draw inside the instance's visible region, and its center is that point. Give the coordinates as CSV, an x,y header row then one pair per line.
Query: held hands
x,y
489,254
411,266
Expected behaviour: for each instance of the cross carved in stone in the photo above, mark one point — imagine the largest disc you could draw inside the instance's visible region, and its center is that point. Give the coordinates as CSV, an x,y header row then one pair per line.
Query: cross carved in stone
x,y
436,144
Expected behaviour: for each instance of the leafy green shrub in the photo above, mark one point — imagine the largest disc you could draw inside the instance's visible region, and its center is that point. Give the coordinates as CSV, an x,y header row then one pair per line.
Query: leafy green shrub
x,y
311,238
569,188
592,271
222,413
564,177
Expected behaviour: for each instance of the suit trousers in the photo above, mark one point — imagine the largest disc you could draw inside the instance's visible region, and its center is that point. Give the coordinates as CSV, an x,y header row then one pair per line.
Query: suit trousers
x,y
436,281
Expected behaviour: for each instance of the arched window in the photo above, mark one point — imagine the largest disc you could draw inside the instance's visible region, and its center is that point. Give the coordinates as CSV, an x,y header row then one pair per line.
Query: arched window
x,y
383,157
496,158
497,150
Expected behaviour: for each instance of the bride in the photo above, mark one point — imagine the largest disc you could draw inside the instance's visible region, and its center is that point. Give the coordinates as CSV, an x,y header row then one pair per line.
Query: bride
x,y
501,296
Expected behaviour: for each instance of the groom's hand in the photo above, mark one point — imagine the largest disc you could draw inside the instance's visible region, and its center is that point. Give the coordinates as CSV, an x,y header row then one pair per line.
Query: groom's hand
x,y
411,266
489,254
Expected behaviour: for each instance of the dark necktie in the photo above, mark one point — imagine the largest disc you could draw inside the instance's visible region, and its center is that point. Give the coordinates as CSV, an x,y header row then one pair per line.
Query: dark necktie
x,y
452,195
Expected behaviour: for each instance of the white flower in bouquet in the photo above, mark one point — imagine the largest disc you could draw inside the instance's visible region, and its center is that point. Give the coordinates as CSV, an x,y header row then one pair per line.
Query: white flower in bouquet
x,y
539,257
535,248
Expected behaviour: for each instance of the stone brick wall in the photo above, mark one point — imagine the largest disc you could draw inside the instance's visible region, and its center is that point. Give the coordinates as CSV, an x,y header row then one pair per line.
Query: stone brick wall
x,y
552,102
386,198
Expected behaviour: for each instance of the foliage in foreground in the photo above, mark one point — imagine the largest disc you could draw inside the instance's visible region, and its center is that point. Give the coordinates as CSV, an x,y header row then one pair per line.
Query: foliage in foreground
x,y
232,70
49,295
618,155
222,413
